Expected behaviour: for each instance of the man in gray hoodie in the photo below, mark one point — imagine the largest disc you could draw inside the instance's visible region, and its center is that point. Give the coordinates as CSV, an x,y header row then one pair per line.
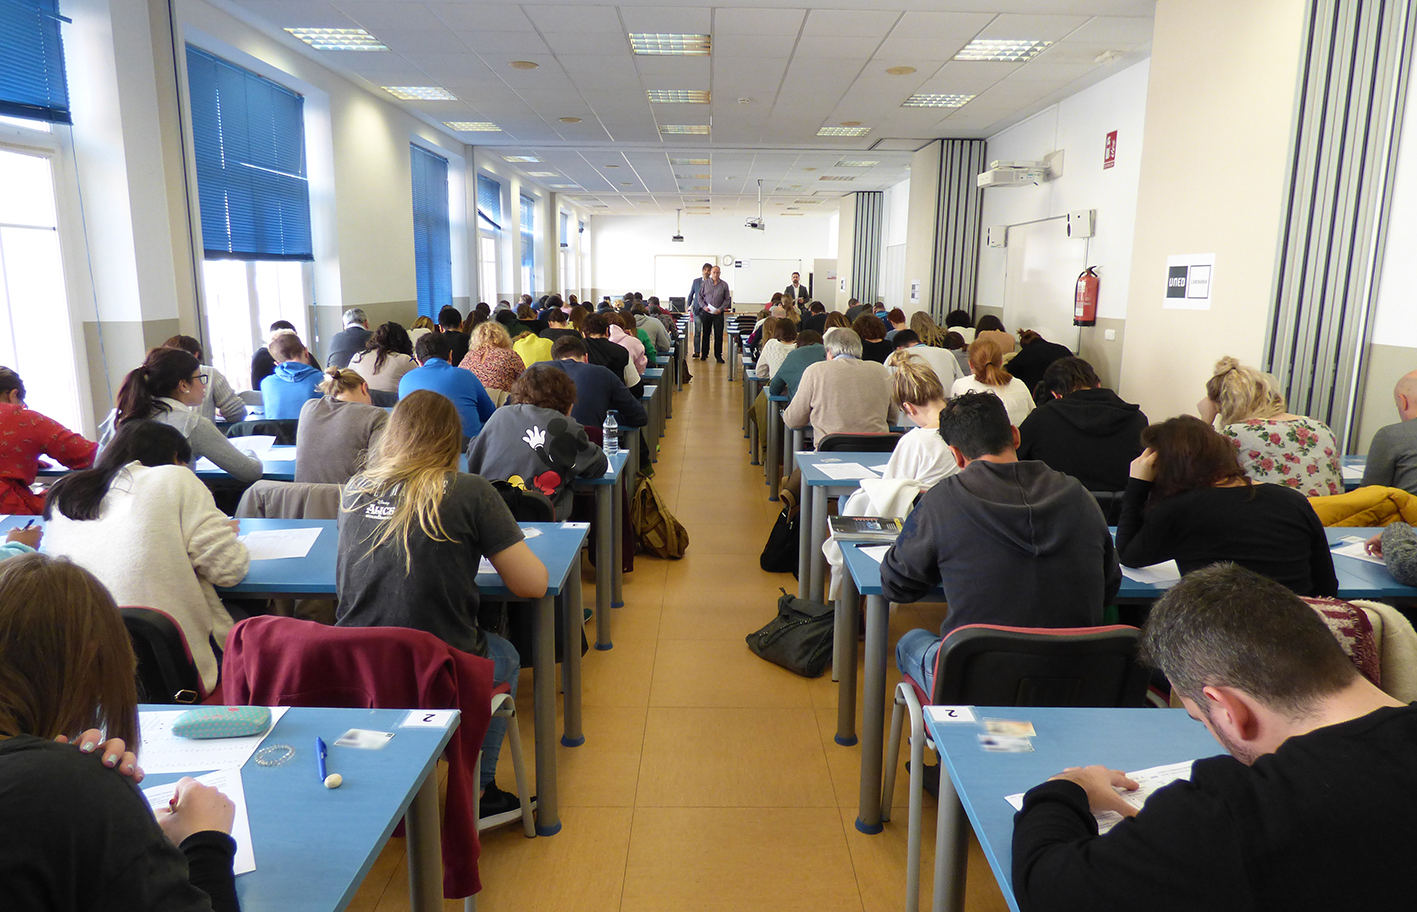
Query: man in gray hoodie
x,y
1013,542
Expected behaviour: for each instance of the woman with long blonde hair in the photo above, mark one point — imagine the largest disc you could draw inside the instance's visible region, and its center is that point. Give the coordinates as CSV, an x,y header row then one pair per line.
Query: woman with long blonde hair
x,y
412,530
491,358
986,363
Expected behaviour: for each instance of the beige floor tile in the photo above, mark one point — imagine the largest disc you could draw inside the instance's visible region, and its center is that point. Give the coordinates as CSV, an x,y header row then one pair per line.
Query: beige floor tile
x,y
733,758
581,867
621,676
718,673
845,763
782,859
602,772
706,616
879,862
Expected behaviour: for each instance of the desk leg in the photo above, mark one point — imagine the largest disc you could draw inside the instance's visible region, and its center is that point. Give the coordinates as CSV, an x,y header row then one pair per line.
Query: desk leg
x,y
789,458
617,544
873,712
425,848
571,733
605,539
804,541
951,849
548,820
816,565
844,661
753,443
774,448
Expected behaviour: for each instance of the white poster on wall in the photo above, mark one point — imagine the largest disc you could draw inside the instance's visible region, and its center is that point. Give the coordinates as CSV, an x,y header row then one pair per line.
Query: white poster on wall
x,y
1188,281
915,291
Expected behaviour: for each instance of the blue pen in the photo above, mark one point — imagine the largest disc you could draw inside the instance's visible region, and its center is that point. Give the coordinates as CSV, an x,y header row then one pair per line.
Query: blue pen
x,y
320,756
27,525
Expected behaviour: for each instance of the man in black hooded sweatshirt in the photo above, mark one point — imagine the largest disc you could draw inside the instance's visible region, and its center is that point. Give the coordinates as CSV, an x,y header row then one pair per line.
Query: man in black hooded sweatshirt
x,y
1013,543
1080,428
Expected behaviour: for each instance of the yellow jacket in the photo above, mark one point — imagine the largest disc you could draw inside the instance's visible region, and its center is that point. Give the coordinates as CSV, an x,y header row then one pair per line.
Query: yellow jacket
x,y
532,349
1373,505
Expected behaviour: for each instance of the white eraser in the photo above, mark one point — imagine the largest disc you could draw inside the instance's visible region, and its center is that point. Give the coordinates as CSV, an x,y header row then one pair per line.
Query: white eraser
x,y
334,781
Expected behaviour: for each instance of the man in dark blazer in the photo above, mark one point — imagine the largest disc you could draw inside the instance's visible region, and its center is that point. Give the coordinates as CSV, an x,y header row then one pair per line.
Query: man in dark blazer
x,y
350,341
795,290
696,304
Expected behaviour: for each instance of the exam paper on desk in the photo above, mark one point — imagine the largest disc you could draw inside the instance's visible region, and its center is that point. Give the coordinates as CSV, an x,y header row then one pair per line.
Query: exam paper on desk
x,y
845,471
1156,574
228,782
1355,546
258,445
279,544
485,565
164,752
1150,780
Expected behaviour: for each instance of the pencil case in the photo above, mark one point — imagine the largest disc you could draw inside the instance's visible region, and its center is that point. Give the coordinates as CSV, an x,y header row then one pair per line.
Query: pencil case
x,y
222,722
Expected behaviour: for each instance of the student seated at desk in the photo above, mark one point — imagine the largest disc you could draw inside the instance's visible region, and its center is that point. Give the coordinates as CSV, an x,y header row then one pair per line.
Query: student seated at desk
x,y
293,381
142,523
220,396
168,388
843,394
436,373
1396,544
1322,775
26,435
412,530
597,390
75,834
338,430
1080,428
1189,500
491,358
534,443
387,356
987,375
262,362
1392,456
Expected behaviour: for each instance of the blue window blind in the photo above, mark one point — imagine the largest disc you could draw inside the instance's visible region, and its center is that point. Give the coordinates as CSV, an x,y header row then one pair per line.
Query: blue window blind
x,y
528,241
432,247
248,137
32,81
565,229
489,201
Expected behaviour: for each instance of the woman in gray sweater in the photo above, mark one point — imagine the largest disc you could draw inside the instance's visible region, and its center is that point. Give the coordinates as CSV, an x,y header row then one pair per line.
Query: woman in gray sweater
x,y
337,430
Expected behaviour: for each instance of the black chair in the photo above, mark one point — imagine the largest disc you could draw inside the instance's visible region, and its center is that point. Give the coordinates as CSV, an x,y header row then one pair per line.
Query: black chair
x,y
383,398
283,429
1111,504
166,673
858,443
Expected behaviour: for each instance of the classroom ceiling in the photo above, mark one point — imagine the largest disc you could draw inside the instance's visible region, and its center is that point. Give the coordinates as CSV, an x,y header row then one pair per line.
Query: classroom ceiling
x,y
774,76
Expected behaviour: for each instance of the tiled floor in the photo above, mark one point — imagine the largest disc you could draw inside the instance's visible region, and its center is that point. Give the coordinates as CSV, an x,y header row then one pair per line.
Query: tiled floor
x,y
709,779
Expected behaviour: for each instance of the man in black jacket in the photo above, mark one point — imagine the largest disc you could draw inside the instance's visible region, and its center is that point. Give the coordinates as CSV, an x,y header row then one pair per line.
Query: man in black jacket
x,y
350,341
1012,542
1313,809
1080,428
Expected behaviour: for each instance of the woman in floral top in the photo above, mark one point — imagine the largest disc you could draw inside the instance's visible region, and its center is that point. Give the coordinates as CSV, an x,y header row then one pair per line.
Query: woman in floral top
x,y
491,358
1275,447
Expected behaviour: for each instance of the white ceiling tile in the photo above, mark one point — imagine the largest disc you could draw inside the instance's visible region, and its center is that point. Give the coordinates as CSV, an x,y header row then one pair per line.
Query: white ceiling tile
x,y
489,17
512,45
966,77
684,20
865,24
905,46
588,42
376,15
686,72
941,26
752,45
849,50
1117,31
416,44
299,13
578,18
735,21
1037,28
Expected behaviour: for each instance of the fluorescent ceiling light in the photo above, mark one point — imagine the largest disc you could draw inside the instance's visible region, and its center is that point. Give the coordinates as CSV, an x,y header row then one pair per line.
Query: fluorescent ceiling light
x,y
843,131
701,177
1001,50
338,39
856,163
520,158
472,126
420,93
659,43
805,202
696,129
930,100
687,161
541,174
678,96
837,177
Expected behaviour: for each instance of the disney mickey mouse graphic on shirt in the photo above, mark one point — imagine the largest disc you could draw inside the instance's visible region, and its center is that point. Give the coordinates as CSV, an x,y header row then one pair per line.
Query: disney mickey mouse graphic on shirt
x,y
555,446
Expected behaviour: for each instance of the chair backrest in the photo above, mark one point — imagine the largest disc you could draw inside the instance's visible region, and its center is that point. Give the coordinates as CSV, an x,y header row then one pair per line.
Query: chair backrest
x,y
383,398
290,500
1111,504
166,673
283,429
498,396
858,443
526,506
987,665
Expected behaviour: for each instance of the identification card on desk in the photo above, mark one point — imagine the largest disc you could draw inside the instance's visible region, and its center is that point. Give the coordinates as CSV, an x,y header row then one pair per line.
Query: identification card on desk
x,y
364,739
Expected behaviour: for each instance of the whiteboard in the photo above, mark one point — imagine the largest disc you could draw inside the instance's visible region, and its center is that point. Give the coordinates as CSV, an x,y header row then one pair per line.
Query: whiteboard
x,y
1040,274
757,280
674,274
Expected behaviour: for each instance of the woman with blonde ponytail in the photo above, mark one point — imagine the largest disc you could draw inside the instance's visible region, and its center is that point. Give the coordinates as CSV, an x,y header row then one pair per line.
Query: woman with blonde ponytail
x,y
338,430
412,530
986,362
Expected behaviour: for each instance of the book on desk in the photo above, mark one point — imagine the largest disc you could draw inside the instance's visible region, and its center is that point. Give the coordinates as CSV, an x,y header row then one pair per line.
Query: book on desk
x,y
864,528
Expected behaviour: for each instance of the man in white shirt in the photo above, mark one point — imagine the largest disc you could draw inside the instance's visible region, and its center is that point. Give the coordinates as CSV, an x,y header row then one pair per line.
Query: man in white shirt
x,y
795,290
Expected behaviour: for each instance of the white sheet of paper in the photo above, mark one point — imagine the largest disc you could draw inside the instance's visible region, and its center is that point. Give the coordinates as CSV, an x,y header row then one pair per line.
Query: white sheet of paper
x,y
1149,780
1354,472
228,782
276,544
485,566
845,471
258,445
1165,572
874,552
1353,547
943,714
164,752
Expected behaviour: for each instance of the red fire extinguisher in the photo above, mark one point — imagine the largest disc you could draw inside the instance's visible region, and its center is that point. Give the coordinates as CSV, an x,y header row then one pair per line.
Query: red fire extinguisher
x,y
1085,301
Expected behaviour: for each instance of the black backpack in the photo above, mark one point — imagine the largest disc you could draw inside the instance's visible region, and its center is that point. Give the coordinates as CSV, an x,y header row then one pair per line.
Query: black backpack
x,y
780,553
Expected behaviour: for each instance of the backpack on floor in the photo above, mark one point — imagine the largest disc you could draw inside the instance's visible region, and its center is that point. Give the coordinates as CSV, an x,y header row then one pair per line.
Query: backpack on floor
x,y
799,638
656,529
780,553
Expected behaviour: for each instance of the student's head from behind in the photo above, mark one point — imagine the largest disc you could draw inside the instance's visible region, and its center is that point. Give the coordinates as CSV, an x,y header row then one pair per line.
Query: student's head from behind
x,y
78,495
808,337
990,322
449,317
1225,635
816,307
286,346
841,341
924,326
1190,454
871,327
1241,393
596,326
166,373
345,384
278,325
391,338
1404,396
986,362
905,338
355,316
569,348
430,346
836,319
958,318
977,424
66,663
953,341
422,321
785,331
490,335
914,383
896,317
188,344
544,386
1064,376
12,388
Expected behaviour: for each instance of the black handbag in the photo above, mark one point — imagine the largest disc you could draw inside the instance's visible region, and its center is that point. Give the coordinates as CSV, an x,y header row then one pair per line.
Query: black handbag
x,y
799,638
780,553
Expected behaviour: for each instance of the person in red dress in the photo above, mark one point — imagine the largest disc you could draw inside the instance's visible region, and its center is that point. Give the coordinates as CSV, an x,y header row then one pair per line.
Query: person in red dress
x,y
24,436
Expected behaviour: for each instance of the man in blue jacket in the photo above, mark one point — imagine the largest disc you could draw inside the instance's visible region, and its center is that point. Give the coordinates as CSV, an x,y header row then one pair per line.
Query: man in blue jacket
x,y
434,373
294,381
598,390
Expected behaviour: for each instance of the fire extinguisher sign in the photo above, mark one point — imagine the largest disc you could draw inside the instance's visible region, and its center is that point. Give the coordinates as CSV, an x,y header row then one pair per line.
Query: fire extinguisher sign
x,y
1188,281
1109,151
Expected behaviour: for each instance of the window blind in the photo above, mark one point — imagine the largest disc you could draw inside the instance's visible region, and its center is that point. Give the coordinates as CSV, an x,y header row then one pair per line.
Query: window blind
x,y
529,236
565,229
489,201
32,80
432,246
248,138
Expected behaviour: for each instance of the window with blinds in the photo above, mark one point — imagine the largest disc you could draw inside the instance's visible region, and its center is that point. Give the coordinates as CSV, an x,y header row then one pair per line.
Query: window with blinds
x,y
489,202
528,226
565,229
32,81
432,247
249,142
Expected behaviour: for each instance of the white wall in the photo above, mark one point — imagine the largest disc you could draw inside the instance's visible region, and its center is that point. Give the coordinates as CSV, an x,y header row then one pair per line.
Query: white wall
x,y
1078,126
895,224
623,247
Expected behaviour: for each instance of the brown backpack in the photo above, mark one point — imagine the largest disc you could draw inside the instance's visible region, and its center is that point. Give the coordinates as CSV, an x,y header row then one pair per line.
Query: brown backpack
x,y
656,529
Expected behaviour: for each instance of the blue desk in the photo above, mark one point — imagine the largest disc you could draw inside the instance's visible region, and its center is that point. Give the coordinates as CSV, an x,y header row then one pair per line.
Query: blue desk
x,y
1353,467
812,530
609,556
978,780
774,469
287,805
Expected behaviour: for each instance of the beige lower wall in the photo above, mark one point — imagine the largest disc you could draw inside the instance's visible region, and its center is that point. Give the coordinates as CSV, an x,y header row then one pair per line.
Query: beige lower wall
x,y
1103,354
1383,365
115,348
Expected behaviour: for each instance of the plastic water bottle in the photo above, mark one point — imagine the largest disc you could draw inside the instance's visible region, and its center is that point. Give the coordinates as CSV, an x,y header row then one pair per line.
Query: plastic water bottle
x,y
610,430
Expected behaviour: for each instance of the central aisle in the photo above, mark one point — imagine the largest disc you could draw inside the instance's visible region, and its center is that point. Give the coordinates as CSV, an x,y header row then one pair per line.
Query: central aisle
x,y
709,778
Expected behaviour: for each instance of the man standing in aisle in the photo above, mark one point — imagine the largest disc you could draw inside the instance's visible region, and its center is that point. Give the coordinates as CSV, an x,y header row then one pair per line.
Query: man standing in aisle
x,y
696,307
716,299
795,290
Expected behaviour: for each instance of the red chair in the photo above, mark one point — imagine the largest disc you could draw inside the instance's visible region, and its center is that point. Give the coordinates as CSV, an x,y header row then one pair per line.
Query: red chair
x,y
278,661
988,665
